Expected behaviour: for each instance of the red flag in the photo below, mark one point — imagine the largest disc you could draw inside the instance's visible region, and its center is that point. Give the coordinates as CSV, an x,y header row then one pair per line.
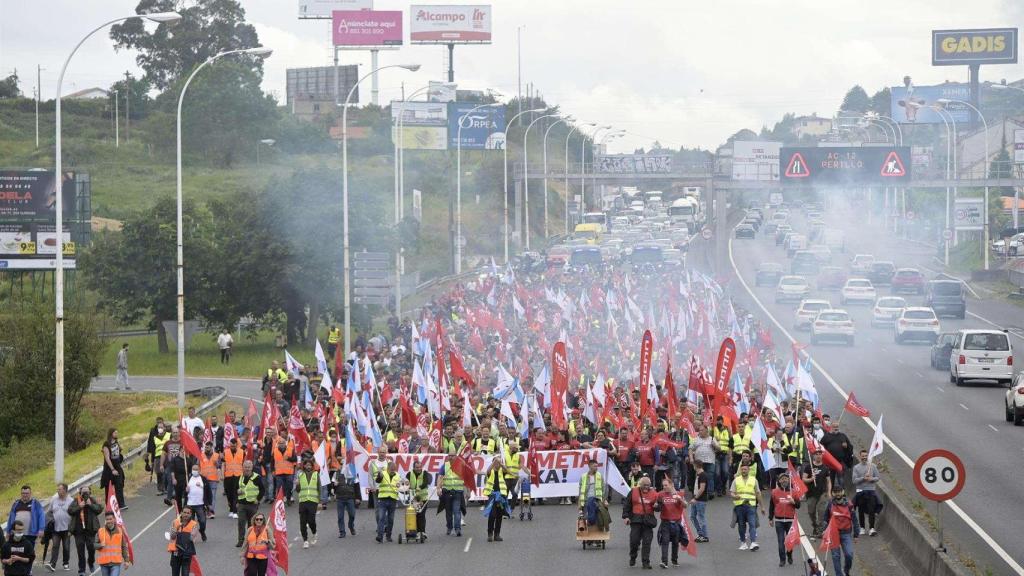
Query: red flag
x,y
855,408
458,371
338,362
270,416
280,524
723,370
533,464
797,486
250,414
814,447
559,384
114,507
792,537
696,383
663,442
188,442
670,390
194,568
646,346
691,538
229,431
463,466
298,430
207,432
829,538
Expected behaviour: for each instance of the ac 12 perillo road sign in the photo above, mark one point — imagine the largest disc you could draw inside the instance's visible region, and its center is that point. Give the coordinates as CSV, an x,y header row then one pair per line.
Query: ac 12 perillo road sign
x,y
846,165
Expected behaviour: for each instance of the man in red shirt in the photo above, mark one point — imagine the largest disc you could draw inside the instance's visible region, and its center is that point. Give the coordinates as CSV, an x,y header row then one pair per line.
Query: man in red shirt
x,y
781,513
672,505
646,453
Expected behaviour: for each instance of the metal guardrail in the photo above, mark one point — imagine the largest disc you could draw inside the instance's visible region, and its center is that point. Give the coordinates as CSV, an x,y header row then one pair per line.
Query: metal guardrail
x,y
216,395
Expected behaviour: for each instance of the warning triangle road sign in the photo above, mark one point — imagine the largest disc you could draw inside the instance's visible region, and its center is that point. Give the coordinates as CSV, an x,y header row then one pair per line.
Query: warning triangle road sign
x,y
797,167
893,166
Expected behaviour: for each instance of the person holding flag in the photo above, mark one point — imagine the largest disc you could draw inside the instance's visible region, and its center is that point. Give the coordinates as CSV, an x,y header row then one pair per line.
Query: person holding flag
x,y
816,477
842,528
258,545
112,555
181,544
452,489
782,509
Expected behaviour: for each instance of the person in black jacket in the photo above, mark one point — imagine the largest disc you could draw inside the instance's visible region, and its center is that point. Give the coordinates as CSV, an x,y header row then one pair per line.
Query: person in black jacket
x,y
18,554
638,510
839,446
85,514
248,503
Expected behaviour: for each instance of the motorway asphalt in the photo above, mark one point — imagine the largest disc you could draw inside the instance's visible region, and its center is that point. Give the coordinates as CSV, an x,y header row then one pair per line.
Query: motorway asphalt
x,y
923,409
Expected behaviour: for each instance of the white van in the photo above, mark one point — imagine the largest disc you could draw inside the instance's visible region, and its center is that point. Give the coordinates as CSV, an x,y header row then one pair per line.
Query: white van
x,y
981,355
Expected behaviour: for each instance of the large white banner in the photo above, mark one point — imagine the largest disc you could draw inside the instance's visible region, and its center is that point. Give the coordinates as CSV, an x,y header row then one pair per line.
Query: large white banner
x,y
755,160
560,471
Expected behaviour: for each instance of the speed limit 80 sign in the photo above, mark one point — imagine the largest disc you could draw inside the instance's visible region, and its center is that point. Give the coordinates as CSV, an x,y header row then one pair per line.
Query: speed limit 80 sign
x,y
939,475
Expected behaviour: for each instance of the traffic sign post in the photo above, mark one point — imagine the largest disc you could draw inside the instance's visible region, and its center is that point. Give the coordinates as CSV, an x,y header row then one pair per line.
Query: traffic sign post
x,y
947,234
706,233
939,475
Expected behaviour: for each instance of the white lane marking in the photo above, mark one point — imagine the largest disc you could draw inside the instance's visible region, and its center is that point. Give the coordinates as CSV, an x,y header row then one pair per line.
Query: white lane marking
x,y
883,349
919,375
469,542
999,550
940,388
994,429
900,360
964,407
1012,332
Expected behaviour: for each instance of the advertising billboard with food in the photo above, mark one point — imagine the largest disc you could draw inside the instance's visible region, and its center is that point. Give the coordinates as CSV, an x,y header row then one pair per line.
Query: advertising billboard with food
x,y
28,237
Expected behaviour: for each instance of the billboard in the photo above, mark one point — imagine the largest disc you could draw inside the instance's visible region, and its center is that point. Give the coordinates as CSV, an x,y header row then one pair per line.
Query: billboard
x,y
360,28
424,124
914,104
483,129
854,165
978,46
324,8
968,214
28,236
441,91
450,24
634,164
1018,145
755,161
321,83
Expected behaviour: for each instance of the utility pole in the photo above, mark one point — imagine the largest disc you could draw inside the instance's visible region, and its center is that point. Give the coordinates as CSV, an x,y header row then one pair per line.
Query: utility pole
x,y
39,96
117,114
127,104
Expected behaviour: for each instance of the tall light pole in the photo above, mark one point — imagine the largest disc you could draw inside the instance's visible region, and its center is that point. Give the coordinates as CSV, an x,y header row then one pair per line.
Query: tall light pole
x,y
180,262
268,142
58,275
117,127
400,194
508,125
985,235
566,168
526,174
583,166
553,124
344,198
458,183
604,139
1016,190
949,146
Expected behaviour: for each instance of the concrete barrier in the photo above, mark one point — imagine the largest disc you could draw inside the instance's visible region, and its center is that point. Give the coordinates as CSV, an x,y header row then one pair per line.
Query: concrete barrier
x,y
912,543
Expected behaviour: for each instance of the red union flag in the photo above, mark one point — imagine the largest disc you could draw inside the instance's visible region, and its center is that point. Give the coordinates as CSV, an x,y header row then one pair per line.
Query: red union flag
x,y
829,538
646,345
792,537
855,408
280,524
559,384
797,486
723,369
114,507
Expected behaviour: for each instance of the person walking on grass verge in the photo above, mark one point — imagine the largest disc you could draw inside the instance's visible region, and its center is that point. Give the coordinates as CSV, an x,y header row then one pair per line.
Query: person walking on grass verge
x,y
57,513
85,513
113,553
121,379
224,343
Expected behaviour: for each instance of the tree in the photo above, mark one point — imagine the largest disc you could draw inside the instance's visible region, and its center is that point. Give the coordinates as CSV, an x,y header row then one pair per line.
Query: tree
x,y
134,270
856,100
881,102
27,372
206,28
9,87
136,92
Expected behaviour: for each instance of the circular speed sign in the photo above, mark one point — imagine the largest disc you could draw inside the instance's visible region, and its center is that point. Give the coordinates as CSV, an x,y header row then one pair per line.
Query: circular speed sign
x,y
939,475
706,233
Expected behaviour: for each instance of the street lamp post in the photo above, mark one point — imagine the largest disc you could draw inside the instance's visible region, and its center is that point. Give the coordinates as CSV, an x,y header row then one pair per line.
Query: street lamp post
x,y
180,258
58,275
399,141
344,199
593,173
949,146
566,168
505,189
458,184
583,166
1016,190
526,175
985,235
545,147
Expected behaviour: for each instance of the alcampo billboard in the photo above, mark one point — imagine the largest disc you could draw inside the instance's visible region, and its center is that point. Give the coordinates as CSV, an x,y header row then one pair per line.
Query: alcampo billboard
x,y
450,24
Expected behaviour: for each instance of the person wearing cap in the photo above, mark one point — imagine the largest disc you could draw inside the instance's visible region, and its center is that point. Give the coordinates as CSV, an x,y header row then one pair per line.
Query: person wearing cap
x,y
782,509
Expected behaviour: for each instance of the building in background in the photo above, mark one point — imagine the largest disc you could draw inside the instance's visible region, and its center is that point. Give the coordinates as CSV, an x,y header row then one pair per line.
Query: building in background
x,y
93,93
811,126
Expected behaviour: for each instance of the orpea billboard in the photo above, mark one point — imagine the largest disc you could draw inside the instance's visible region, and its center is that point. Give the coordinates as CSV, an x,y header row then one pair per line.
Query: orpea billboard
x,y
450,24
482,129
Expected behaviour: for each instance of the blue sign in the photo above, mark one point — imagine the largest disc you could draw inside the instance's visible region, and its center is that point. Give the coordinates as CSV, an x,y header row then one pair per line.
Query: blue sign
x,y
915,105
483,129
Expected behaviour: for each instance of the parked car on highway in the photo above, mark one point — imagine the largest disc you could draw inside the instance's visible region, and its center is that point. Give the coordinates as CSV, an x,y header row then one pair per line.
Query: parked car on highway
x,y
804,262
795,242
916,323
861,264
745,231
881,272
807,311
946,296
831,278
781,232
768,273
770,227
1015,402
857,290
822,253
886,310
792,288
908,280
940,350
981,355
833,324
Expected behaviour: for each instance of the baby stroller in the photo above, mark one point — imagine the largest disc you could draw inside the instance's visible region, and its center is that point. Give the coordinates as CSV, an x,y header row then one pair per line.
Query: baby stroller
x,y
525,502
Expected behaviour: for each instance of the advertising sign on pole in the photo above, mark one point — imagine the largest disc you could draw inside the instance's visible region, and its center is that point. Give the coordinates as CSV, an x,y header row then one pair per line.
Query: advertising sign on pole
x,y
417,205
450,24
1018,145
755,160
367,28
851,165
979,46
915,104
28,237
634,164
480,129
968,214
322,9
424,124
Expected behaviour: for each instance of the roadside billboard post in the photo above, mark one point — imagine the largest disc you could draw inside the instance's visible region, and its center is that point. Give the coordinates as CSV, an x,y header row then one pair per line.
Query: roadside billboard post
x,y
367,28
450,25
974,47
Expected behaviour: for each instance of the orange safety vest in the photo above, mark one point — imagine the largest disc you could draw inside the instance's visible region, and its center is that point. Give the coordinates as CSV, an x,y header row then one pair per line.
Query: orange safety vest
x,y
282,464
258,545
208,467
333,463
233,463
109,553
176,526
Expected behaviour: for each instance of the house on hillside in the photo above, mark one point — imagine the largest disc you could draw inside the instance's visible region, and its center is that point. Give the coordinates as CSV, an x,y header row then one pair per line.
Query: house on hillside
x,y
811,126
93,93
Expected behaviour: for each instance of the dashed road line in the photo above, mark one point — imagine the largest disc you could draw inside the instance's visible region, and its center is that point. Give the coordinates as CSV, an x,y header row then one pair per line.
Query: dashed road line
x,y
469,542
964,407
994,429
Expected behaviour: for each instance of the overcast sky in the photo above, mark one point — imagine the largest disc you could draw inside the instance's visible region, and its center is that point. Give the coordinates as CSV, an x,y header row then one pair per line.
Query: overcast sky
x,y
680,71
